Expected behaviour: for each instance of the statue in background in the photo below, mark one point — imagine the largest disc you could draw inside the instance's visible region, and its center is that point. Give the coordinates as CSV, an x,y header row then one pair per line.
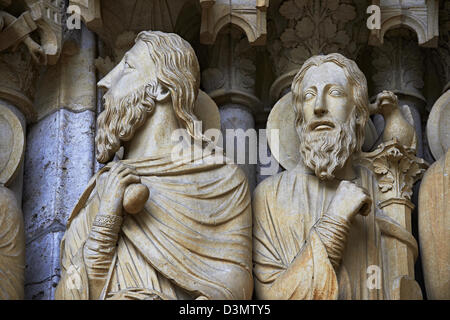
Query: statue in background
x,y
12,235
189,236
434,204
318,228
12,247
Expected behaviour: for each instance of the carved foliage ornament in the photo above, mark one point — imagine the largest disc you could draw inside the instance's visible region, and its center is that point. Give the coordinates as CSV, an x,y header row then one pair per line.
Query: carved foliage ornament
x,y
397,169
399,67
314,27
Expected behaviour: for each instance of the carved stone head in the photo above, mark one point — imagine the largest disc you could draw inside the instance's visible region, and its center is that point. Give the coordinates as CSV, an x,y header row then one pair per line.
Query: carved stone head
x,y
159,66
331,103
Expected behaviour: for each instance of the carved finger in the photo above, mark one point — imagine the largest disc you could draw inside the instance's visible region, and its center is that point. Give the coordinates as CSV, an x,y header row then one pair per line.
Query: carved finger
x,y
126,172
129,179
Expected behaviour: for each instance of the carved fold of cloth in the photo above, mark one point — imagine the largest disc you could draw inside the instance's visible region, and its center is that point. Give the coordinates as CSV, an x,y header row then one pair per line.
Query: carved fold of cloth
x,y
291,260
193,238
12,247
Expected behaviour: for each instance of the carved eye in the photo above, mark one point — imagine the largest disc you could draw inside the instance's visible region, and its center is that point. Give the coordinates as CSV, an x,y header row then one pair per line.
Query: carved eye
x,y
308,95
335,93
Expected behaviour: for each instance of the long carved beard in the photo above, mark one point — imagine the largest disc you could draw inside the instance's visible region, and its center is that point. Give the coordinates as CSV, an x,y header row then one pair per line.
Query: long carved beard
x,y
120,120
326,151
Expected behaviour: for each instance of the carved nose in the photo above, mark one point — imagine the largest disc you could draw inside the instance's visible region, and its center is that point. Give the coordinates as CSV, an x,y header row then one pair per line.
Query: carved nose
x,y
104,83
320,109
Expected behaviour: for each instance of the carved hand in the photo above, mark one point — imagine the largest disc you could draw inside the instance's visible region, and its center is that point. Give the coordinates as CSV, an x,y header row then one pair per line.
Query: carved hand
x,y
119,177
350,200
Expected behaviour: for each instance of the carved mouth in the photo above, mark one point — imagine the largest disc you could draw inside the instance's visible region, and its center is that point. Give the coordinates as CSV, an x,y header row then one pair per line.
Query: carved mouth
x,y
321,125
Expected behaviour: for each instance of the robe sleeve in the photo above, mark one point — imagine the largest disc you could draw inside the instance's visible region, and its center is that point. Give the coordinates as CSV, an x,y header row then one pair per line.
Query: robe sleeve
x,y
306,274
74,282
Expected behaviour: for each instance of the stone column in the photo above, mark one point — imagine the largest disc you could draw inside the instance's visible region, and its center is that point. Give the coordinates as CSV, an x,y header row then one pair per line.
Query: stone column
x,y
59,158
230,81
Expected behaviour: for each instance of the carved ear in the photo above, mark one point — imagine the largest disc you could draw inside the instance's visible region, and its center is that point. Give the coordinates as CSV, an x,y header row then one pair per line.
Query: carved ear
x,y
162,93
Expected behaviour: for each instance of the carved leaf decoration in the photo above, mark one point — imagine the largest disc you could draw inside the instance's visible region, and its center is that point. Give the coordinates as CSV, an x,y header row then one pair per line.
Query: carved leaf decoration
x,y
405,165
385,176
299,55
411,173
212,79
305,28
345,13
302,3
333,4
290,10
329,28
288,38
399,65
316,27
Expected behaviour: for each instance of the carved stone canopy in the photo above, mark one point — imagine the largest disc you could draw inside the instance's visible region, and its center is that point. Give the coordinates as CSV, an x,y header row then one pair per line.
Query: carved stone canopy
x,y
418,15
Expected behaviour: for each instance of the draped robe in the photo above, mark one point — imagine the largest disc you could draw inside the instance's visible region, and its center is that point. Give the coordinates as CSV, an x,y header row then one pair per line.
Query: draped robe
x,y
192,239
12,247
285,208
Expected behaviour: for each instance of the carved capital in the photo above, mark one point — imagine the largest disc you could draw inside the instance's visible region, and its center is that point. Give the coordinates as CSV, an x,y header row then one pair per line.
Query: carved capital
x,y
43,16
250,16
18,76
231,75
396,168
420,16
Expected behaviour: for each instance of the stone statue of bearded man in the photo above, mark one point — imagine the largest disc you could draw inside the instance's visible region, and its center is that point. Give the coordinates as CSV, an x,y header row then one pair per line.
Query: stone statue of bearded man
x,y
315,233
192,237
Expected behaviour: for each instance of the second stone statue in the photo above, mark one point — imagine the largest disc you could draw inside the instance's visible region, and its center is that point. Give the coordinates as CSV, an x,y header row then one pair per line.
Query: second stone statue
x,y
192,238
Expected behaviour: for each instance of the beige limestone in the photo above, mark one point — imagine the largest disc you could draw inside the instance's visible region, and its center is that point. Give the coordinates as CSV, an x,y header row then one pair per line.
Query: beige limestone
x,y
192,239
434,208
322,227
438,126
12,236
12,247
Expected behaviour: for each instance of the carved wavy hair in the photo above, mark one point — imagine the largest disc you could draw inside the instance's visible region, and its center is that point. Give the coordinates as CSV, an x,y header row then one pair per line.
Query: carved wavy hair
x,y
177,70
355,78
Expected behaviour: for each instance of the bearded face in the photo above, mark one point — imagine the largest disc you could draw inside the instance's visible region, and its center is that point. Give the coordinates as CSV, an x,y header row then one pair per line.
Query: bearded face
x,y
121,118
324,152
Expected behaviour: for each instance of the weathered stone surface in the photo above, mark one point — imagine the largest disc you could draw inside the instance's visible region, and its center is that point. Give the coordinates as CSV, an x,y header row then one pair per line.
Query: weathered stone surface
x,y
434,226
42,266
59,163
71,83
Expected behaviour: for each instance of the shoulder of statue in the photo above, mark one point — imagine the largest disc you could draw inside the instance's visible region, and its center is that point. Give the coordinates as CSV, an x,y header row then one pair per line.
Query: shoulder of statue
x,y
272,183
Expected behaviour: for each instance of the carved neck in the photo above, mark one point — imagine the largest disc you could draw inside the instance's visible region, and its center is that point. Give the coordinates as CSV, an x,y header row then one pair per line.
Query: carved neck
x,y
154,137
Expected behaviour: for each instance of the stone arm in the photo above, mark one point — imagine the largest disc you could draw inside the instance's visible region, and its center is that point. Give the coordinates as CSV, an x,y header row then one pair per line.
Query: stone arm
x,y
323,246
294,260
99,251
